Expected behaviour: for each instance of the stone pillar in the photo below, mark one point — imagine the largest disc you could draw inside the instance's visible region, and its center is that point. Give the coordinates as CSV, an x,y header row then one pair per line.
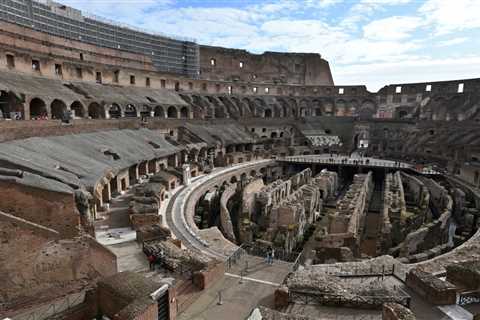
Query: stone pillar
x,y
186,174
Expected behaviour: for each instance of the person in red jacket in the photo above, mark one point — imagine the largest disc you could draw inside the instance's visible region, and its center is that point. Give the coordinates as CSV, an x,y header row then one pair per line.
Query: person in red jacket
x,y
151,260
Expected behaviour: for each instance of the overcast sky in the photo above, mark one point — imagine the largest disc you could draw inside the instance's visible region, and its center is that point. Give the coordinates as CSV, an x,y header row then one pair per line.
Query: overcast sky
x,y
371,42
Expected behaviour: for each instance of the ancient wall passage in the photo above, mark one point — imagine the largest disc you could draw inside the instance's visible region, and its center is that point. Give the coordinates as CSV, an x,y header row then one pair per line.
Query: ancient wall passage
x,y
351,208
394,211
436,232
292,215
345,224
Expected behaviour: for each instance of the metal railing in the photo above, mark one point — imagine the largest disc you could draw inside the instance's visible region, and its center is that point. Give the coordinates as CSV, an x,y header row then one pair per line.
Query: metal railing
x,y
54,308
235,257
282,255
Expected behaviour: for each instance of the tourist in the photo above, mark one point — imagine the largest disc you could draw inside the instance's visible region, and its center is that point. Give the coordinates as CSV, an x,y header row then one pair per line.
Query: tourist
x,y
151,260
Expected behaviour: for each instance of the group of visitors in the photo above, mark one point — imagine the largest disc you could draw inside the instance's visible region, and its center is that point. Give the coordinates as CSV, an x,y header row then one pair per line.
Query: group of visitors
x,y
270,255
155,259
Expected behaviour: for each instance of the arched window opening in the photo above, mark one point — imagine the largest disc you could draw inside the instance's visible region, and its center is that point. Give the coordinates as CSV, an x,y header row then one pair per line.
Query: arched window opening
x,y
114,111
77,110
184,113
58,108
95,111
38,109
172,112
130,111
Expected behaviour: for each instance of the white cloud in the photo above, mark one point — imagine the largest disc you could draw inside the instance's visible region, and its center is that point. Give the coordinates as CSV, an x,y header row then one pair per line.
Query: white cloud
x,y
377,75
451,42
448,16
367,46
364,9
391,28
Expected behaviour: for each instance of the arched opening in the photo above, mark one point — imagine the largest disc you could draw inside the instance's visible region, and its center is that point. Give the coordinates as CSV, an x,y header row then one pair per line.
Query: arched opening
x,y
233,179
268,113
58,108
253,173
172,112
10,106
114,111
402,114
476,178
95,111
318,112
219,112
145,111
184,113
273,135
38,109
159,112
77,109
130,111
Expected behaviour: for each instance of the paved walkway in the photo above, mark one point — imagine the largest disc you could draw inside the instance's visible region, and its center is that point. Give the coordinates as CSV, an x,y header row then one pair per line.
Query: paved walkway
x,y
241,291
176,210
354,161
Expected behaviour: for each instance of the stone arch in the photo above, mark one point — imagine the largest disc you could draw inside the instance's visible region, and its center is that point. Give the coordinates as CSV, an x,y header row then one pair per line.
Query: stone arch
x,y
353,108
260,107
249,105
367,109
293,107
114,111
11,106
78,109
328,107
38,109
267,113
341,108
184,113
317,108
253,173
130,111
159,112
220,111
58,109
145,111
96,111
172,112
304,108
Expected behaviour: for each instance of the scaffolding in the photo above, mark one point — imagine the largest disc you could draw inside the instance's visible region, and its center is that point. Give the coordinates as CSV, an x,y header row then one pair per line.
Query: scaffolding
x,y
169,54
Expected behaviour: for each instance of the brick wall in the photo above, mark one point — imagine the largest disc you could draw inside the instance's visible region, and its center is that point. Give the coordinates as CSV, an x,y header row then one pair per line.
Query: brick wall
x,y
431,288
147,219
37,264
206,278
47,208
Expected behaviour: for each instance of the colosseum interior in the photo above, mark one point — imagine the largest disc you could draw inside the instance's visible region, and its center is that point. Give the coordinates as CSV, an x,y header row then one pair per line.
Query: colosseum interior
x,y
201,182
